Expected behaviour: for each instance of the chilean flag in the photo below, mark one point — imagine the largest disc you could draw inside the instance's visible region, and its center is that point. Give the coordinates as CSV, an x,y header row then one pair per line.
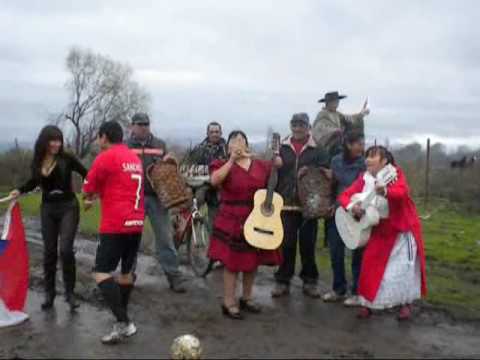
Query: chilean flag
x,y
13,268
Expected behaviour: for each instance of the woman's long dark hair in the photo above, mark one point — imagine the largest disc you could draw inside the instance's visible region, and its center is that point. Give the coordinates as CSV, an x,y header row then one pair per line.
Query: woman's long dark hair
x,y
382,151
47,134
351,138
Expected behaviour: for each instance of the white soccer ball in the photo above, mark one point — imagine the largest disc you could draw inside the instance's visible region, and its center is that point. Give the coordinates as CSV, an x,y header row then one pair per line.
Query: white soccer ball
x,y
186,347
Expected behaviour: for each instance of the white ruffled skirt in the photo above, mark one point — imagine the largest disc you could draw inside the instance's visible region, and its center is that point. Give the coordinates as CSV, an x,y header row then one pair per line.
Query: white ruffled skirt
x,y
401,283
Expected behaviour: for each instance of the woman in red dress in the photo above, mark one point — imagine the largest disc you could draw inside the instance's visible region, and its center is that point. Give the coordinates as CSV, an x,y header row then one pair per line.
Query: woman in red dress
x,y
393,266
238,179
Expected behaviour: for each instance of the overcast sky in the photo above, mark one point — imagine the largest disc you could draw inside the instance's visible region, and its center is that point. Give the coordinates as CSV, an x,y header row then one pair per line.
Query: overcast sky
x,y
251,64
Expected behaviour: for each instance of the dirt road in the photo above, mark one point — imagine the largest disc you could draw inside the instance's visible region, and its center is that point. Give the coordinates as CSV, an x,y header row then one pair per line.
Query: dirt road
x,y
294,327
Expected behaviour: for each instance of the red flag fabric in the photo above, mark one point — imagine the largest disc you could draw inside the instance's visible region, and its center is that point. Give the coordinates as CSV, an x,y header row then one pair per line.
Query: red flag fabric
x,y
14,268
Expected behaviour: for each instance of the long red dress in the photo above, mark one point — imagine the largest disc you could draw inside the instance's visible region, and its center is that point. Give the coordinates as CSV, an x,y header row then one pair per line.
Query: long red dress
x,y
402,218
227,243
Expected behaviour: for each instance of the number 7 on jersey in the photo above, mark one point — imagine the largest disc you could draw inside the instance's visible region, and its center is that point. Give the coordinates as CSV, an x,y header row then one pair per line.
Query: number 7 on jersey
x,y
138,179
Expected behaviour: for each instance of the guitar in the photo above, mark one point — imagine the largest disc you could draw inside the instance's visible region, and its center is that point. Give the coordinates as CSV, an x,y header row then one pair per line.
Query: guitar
x,y
356,233
263,228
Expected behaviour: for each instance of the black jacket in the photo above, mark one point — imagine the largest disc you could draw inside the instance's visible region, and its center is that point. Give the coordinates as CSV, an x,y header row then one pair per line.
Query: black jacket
x,y
310,156
57,186
205,152
149,151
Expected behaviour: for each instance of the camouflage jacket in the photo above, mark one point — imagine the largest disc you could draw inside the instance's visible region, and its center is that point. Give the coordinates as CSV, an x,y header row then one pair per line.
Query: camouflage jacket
x,y
329,128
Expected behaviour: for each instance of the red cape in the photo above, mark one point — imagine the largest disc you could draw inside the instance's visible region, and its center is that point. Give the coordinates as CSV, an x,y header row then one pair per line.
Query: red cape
x,y
402,218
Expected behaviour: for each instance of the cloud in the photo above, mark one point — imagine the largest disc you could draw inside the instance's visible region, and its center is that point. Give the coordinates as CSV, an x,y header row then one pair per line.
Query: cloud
x,y
252,64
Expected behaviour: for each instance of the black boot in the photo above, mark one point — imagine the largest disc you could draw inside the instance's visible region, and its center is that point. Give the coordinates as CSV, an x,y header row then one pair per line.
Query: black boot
x,y
49,300
50,291
69,279
71,300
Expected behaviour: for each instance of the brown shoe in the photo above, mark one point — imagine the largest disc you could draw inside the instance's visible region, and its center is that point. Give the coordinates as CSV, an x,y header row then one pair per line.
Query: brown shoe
x,y
311,290
280,290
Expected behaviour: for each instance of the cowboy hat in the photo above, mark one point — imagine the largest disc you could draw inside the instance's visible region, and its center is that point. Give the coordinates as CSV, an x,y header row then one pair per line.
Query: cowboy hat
x,y
331,96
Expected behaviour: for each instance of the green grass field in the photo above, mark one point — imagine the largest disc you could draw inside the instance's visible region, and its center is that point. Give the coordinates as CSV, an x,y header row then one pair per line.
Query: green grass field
x,y
88,220
452,241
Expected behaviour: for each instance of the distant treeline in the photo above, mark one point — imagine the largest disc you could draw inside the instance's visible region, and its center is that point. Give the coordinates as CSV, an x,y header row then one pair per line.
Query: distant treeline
x,y
457,184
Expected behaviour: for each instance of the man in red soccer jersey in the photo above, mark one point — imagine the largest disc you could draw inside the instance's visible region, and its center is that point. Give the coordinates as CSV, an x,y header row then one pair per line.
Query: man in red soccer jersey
x,y
117,177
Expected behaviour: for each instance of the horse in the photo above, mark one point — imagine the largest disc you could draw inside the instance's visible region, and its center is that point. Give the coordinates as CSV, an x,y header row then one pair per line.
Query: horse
x,y
463,162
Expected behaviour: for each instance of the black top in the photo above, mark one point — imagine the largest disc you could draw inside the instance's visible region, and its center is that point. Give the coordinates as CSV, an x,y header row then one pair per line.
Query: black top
x,y
311,156
206,152
56,187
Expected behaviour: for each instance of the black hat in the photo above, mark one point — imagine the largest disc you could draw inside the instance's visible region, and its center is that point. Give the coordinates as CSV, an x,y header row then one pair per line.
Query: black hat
x,y
331,96
300,117
140,118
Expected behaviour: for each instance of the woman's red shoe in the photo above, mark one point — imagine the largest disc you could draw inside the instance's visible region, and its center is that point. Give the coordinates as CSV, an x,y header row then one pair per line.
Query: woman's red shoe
x,y
405,313
364,313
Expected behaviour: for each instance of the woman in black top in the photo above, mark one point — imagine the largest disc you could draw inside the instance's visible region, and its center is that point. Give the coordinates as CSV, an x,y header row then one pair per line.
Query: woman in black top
x,y
52,170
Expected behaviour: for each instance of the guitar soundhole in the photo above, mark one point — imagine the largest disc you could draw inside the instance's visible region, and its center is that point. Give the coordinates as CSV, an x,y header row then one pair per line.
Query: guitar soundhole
x,y
268,210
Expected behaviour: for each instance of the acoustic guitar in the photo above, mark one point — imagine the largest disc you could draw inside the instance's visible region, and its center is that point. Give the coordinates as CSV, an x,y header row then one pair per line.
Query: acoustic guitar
x,y
355,233
263,228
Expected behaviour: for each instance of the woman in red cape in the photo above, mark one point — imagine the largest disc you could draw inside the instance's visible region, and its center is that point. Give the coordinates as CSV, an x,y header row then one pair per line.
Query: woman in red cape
x,y
393,266
238,179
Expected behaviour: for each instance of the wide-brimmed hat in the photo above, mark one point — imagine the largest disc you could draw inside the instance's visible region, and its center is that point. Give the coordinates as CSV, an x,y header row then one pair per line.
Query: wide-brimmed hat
x,y
331,96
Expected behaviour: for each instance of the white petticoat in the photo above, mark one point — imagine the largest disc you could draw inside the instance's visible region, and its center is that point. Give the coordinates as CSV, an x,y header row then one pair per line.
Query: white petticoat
x,y
401,283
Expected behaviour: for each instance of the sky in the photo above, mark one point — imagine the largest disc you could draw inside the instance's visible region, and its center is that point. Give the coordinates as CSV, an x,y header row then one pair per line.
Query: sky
x,y
252,64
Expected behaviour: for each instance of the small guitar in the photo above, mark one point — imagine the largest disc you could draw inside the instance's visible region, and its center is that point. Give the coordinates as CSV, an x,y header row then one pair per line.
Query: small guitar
x,y
263,228
356,233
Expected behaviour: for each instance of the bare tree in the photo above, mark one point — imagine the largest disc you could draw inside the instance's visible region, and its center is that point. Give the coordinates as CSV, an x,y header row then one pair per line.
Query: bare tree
x,y
100,89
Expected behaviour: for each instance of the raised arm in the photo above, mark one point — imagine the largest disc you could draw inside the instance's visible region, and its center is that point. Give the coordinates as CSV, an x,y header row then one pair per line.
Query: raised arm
x,y
219,171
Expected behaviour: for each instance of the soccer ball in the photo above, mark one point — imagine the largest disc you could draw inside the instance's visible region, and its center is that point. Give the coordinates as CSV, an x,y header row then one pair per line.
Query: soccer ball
x,y
186,347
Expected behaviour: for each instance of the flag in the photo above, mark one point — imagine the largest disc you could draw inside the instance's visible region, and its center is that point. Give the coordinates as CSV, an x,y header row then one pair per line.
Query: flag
x,y
13,268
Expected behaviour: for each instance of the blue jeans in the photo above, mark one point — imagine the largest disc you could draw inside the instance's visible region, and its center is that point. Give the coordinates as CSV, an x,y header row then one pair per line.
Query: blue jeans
x,y
337,258
162,228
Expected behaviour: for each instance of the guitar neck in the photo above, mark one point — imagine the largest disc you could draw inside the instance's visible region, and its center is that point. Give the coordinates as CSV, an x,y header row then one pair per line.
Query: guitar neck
x,y
273,179
368,199
272,184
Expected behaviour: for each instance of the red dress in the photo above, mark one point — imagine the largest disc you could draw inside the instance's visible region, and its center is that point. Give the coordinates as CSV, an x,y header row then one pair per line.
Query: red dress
x,y
402,218
227,243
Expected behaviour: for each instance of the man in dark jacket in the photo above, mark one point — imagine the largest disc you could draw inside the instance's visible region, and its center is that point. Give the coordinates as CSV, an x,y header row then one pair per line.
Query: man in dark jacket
x,y
150,149
346,167
213,147
298,152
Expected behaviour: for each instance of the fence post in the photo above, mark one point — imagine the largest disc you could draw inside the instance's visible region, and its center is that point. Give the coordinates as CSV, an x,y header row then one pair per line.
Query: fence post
x,y
427,176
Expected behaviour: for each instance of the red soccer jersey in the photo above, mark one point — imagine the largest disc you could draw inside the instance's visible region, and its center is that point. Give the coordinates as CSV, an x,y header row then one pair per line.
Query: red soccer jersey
x,y
117,176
